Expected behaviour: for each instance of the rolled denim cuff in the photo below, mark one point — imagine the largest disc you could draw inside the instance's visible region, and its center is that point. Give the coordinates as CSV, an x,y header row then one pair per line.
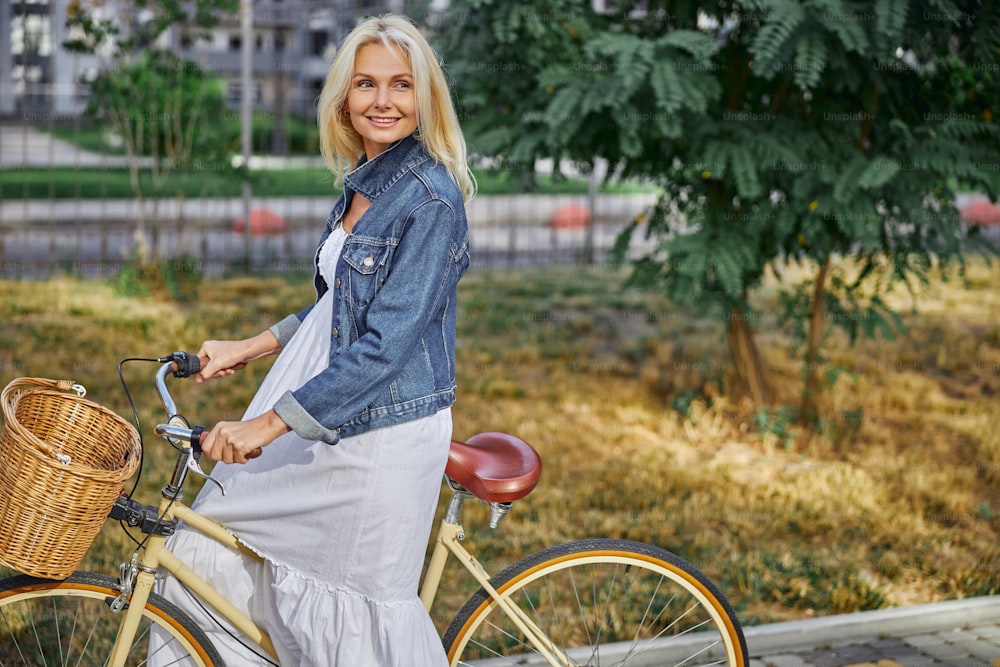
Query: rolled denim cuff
x,y
303,423
285,329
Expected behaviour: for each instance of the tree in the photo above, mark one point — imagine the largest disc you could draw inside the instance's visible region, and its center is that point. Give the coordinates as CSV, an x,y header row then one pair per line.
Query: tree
x,y
158,104
811,131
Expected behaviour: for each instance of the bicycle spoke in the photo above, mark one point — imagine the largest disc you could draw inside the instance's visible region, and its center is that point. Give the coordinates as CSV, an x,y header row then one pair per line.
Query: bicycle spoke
x,y
507,634
602,603
69,624
10,633
38,639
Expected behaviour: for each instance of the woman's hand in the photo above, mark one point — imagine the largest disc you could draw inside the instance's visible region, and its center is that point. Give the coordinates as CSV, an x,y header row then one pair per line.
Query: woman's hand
x,y
238,442
222,358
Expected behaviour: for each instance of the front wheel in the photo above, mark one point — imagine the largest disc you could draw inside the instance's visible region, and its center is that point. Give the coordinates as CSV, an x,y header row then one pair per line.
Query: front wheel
x,y
600,602
47,622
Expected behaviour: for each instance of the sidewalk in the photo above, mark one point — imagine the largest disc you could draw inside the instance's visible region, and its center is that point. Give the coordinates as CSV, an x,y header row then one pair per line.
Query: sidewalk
x,y
953,633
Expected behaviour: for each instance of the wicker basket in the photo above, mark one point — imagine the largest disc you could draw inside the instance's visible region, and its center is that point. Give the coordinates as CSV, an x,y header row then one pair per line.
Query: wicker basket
x,y
63,462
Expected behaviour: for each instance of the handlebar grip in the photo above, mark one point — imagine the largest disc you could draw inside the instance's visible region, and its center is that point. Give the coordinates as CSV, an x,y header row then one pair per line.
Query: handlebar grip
x,y
186,364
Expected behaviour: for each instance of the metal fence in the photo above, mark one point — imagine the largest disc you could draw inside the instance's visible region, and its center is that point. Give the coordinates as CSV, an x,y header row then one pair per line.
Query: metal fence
x,y
96,237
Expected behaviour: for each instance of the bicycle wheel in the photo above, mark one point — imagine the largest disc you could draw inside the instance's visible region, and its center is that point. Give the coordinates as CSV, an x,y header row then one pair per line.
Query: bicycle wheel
x,y
47,622
601,602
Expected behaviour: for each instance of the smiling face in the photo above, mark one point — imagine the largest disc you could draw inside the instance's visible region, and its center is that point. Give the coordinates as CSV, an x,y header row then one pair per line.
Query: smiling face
x,y
381,103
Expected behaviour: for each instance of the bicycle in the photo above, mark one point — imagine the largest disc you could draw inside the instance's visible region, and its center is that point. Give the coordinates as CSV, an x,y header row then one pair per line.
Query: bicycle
x,y
595,602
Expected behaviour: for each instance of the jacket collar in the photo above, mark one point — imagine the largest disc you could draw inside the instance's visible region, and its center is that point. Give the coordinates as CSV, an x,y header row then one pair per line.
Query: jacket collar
x,y
373,177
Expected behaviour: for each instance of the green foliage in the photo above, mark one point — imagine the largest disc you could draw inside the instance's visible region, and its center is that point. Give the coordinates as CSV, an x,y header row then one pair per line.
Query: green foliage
x,y
156,103
159,105
791,130
778,422
178,278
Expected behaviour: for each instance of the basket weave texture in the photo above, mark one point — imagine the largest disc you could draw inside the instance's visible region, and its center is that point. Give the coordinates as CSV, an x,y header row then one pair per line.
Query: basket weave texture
x,y
63,462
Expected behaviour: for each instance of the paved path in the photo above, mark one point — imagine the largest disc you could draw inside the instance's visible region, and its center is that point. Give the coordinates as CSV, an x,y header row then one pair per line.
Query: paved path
x,y
954,633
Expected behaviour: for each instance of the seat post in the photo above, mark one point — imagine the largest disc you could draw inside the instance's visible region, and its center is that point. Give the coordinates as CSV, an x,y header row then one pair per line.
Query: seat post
x,y
458,497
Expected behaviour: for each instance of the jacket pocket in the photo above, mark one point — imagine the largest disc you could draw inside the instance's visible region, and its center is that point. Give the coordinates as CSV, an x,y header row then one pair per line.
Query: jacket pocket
x,y
369,265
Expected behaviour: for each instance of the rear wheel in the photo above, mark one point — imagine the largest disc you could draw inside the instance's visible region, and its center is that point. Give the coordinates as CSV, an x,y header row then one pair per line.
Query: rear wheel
x,y
69,622
601,602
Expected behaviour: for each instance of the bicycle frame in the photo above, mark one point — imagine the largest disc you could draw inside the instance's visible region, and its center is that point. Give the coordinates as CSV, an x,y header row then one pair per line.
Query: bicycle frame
x,y
139,576
448,540
156,555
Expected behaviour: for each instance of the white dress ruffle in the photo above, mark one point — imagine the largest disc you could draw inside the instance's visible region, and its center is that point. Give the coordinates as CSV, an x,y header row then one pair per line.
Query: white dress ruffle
x,y
343,529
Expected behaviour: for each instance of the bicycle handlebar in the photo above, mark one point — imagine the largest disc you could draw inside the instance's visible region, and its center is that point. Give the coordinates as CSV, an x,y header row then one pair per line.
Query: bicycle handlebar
x,y
181,365
192,435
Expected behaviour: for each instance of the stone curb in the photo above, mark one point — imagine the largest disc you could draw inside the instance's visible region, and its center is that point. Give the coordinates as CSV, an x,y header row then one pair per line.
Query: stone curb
x,y
897,621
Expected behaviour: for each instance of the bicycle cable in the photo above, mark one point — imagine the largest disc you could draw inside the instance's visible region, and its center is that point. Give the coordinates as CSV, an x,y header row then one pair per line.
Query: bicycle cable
x,y
138,427
142,452
208,612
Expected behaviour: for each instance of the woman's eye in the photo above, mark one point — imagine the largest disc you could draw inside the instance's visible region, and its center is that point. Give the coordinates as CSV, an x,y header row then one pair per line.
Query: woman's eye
x,y
364,84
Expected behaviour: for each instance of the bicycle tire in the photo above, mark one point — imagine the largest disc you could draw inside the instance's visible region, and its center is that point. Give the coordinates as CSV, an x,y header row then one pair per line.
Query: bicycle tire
x,y
69,622
623,615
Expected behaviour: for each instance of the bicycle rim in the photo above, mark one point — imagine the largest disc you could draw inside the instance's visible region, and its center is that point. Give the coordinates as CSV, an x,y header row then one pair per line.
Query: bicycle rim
x,y
45,622
601,602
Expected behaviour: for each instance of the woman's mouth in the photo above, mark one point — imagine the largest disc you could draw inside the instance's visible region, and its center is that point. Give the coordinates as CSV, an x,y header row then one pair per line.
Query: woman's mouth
x,y
382,121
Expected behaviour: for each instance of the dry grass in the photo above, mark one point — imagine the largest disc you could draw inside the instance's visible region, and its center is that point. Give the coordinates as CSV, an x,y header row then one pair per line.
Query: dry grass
x,y
893,502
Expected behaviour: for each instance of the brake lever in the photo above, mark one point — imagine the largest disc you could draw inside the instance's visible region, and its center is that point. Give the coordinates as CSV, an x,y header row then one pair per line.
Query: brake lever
x,y
194,458
194,466
192,462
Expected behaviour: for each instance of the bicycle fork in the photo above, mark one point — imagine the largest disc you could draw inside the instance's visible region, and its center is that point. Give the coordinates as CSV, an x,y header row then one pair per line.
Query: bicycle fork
x,y
136,582
449,537
138,578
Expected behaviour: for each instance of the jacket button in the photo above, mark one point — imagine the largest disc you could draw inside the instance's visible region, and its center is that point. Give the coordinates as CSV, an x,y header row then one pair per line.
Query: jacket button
x,y
337,283
336,332
368,261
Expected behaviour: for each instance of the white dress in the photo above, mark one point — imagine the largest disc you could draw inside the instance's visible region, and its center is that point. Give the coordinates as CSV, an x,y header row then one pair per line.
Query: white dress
x,y
343,529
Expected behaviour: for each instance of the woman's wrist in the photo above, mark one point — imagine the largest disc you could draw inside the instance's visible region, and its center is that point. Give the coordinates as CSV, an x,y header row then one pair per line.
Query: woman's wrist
x,y
273,425
262,345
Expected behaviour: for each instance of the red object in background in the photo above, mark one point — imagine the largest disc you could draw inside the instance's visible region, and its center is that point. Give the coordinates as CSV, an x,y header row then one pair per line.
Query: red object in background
x,y
981,212
263,222
571,216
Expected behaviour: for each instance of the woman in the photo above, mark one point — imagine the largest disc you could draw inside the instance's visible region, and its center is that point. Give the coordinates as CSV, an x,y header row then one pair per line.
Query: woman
x,y
345,443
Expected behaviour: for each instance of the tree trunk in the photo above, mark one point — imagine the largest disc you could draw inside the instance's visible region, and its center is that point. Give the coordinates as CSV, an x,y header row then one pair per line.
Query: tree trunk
x,y
817,310
746,359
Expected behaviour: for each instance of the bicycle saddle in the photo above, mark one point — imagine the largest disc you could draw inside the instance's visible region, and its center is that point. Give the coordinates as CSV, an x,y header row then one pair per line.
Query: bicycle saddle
x,y
495,467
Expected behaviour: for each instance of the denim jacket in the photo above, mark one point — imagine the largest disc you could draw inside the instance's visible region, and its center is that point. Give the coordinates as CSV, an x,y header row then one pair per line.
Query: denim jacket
x,y
392,338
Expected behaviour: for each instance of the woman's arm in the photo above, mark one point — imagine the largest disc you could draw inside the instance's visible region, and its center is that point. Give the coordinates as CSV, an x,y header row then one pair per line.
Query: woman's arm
x,y
395,322
222,358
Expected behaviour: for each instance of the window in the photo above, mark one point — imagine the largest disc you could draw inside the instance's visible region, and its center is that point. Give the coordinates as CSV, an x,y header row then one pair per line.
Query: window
x,y
317,42
31,35
234,92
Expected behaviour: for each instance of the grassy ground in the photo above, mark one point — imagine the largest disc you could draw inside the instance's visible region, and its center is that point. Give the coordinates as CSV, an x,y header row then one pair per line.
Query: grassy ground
x,y
895,502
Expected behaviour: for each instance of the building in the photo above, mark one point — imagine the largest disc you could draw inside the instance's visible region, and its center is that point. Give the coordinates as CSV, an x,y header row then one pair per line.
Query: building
x,y
293,41
38,78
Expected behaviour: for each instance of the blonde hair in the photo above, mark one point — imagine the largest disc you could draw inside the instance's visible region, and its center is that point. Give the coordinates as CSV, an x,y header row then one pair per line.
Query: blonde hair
x,y
437,123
